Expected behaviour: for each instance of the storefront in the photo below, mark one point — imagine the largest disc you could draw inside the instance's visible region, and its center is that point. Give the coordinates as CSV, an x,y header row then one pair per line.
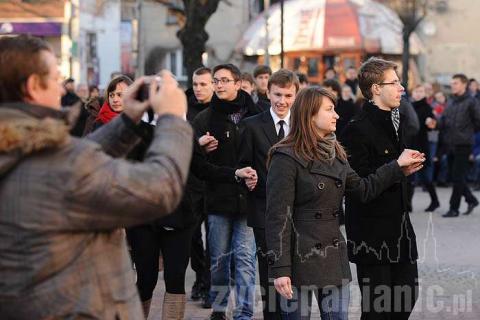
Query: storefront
x,y
322,34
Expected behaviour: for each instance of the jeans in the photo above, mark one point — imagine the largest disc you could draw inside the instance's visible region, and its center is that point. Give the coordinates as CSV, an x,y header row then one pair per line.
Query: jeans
x,y
332,301
229,240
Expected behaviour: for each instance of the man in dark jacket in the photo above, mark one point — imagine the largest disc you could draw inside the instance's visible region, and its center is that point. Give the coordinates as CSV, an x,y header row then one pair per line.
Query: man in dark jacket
x,y
381,240
262,131
229,236
262,73
457,125
199,97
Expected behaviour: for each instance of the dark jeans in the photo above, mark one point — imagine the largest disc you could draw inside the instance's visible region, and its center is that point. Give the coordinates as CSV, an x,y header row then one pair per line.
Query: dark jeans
x,y
389,291
332,301
270,297
146,242
459,163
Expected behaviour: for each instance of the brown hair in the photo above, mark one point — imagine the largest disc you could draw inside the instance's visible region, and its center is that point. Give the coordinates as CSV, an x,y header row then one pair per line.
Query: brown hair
x,y
202,70
112,85
284,78
371,72
462,77
262,69
303,136
335,85
21,57
247,77
236,74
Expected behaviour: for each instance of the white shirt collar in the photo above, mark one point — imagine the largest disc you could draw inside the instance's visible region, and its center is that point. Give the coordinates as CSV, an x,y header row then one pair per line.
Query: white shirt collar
x,y
277,118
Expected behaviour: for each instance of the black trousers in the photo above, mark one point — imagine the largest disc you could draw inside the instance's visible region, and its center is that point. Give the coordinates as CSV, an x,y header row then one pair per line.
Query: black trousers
x,y
389,291
146,243
200,256
459,164
270,297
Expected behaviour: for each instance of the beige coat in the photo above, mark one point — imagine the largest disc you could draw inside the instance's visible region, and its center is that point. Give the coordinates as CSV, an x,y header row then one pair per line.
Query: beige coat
x,y
62,201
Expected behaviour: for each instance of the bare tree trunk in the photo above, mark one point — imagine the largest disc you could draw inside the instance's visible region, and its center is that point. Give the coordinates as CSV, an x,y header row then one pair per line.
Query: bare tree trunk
x,y
193,35
405,56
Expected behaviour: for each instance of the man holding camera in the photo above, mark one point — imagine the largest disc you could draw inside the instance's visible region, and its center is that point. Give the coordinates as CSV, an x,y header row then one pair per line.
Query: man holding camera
x,y
63,199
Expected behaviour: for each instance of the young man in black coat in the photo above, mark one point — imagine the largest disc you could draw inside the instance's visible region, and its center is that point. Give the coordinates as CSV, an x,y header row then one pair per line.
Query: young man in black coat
x,y
229,237
381,240
261,133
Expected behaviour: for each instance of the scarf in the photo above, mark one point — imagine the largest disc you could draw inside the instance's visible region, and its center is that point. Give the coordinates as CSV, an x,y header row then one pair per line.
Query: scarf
x,y
326,147
106,114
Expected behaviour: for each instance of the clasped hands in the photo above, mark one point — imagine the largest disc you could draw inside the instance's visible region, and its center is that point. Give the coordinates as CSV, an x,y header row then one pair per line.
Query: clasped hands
x,y
411,161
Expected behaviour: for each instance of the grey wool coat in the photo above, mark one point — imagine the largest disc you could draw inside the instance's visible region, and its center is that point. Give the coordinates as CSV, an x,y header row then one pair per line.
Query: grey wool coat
x,y
62,202
303,235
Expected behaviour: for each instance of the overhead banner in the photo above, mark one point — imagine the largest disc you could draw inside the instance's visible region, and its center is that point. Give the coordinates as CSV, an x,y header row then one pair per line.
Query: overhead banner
x,y
45,29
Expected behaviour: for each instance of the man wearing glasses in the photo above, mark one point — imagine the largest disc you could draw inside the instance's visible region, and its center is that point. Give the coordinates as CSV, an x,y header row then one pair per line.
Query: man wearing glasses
x,y
381,240
230,240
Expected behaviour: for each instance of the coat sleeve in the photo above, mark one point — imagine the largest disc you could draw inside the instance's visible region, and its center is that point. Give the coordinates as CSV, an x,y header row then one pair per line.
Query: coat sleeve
x,y
108,193
117,138
246,150
356,144
207,171
475,113
368,188
278,217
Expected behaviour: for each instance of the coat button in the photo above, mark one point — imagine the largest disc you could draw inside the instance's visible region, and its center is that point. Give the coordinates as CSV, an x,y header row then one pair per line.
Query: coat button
x,y
335,242
338,183
321,185
336,213
386,151
318,246
318,215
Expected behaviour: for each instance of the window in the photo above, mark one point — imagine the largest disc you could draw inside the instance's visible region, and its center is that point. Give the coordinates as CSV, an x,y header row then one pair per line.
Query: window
x,y
174,63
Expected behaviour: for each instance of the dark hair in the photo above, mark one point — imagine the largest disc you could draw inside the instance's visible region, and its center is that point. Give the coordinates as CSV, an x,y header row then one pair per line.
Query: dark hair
x,y
302,77
236,74
335,85
21,57
284,78
202,70
371,72
303,136
247,77
462,77
261,69
112,85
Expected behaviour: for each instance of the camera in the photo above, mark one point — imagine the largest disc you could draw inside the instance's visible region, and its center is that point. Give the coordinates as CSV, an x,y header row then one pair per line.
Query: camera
x,y
144,91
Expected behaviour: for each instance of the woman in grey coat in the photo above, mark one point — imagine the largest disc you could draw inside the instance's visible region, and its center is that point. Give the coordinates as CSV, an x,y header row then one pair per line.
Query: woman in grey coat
x,y
308,176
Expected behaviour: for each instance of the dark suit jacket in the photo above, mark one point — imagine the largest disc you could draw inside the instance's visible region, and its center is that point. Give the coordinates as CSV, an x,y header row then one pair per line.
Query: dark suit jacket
x,y
259,136
378,232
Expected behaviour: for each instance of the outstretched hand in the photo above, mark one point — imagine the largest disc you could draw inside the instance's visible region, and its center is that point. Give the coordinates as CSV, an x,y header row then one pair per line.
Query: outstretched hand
x,y
411,161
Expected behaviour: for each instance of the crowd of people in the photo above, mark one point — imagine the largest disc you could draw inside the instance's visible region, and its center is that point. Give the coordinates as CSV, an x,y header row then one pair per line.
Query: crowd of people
x,y
272,168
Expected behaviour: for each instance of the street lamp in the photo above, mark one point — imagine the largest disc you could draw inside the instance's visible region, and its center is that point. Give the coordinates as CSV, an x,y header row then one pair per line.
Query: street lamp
x,y
411,13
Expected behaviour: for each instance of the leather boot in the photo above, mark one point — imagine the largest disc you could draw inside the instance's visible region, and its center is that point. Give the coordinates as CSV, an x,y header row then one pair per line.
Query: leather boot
x,y
434,204
173,306
146,307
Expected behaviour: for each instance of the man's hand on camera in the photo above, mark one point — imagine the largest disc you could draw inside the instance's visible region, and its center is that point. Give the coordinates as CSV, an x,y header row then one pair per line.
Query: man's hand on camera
x,y
133,108
169,98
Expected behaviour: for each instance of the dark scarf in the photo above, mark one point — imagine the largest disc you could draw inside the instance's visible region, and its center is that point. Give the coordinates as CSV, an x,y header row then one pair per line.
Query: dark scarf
x,y
222,111
106,114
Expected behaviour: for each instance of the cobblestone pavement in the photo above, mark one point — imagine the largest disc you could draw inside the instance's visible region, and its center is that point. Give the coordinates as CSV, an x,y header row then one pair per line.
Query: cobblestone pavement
x,y
449,268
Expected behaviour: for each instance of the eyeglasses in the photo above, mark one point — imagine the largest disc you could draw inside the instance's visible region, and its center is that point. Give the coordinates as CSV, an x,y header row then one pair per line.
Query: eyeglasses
x,y
223,81
395,83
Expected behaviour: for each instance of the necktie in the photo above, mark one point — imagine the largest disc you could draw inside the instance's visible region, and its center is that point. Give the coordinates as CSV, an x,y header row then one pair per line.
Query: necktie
x,y
396,120
281,132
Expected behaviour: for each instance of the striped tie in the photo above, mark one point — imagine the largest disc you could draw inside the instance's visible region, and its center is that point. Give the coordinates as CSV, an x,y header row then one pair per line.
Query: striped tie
x,y
396,120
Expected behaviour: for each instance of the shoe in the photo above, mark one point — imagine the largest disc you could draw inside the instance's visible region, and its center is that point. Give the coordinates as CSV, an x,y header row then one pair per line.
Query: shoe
x,y
451,214
433,205
197,290
218,316
470,207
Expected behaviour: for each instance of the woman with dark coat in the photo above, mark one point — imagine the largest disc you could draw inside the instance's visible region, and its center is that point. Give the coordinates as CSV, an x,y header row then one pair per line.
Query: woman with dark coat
x,y
308,176
425,176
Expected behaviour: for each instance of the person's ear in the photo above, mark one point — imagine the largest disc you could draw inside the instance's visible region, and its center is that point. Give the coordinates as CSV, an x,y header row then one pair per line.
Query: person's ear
x,y
268,94
375,89
238,84
33,85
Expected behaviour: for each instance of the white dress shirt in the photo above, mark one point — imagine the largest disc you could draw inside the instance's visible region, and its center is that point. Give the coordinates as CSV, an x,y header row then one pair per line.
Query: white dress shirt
x,y
276,119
